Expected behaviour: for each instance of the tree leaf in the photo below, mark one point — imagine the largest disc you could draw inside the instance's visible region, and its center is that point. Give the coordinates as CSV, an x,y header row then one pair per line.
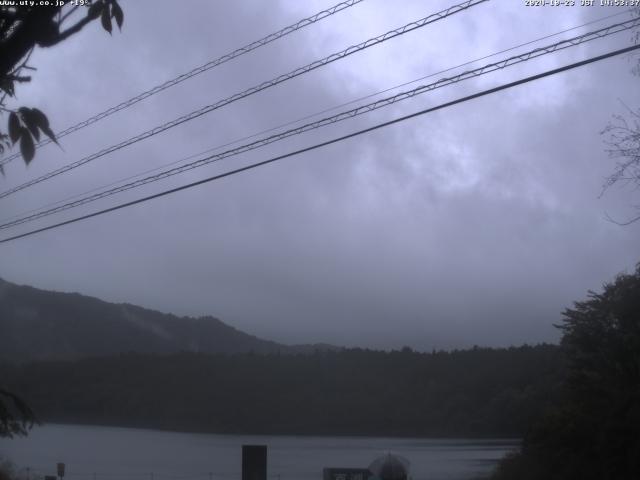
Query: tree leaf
x,y
117,13
14,127
27,148
43,123
106,20
41,118
34,131
95,10
31,122
49,133
7,86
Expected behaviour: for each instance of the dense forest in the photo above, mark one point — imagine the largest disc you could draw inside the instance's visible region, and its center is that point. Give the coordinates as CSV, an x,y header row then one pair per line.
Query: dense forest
x,y
405,393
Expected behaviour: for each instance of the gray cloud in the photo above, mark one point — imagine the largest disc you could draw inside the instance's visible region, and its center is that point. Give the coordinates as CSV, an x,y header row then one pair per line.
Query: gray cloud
x,y
478,224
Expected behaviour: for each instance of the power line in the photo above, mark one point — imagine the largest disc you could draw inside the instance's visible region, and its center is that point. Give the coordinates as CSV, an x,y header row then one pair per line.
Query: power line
x,y
280,79
468,63
330,142
306,117
508,62
305,22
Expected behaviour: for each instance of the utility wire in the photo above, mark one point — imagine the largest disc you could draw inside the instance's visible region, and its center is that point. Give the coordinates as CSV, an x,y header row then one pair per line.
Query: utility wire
x,y
306,117
280,79
330,142
514,60
305,22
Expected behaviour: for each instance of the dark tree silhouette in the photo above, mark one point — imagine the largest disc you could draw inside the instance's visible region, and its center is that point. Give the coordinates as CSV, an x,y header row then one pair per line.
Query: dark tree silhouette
x,y
602,341
622,137
594,434
15,415
623,145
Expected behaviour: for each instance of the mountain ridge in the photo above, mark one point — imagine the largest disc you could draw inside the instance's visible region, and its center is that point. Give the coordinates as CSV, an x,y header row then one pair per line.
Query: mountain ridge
x,y
40,324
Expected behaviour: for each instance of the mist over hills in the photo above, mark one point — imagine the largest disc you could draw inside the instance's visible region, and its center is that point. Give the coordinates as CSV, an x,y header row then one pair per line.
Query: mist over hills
x,y
45,325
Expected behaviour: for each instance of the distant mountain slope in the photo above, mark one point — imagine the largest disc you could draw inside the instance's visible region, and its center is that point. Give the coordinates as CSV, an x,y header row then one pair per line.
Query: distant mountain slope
x,y
44,325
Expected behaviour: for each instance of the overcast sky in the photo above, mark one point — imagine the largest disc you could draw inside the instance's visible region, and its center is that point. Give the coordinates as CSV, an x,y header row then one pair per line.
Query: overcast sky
x,y
477,224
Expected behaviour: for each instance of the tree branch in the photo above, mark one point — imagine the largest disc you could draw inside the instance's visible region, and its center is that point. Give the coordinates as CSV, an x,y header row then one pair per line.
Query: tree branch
x,y
19,78
622,224
34,26
68,14
67,33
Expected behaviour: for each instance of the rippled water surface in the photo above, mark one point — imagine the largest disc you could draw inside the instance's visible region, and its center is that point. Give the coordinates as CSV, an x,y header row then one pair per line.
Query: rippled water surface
x,y
108,453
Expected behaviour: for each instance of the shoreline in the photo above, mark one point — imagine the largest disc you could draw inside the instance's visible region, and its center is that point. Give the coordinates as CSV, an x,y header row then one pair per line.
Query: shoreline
x,y
437,438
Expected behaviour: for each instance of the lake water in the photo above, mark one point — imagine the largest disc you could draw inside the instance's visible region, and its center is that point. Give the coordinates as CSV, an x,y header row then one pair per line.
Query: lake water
x,y
108,453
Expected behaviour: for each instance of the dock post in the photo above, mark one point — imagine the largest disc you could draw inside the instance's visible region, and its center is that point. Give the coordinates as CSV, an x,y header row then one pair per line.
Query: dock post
x,y
254,462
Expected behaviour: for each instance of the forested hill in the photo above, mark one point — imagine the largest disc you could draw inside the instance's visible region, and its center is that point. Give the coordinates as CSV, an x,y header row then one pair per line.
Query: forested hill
x,y
351,392
42,325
